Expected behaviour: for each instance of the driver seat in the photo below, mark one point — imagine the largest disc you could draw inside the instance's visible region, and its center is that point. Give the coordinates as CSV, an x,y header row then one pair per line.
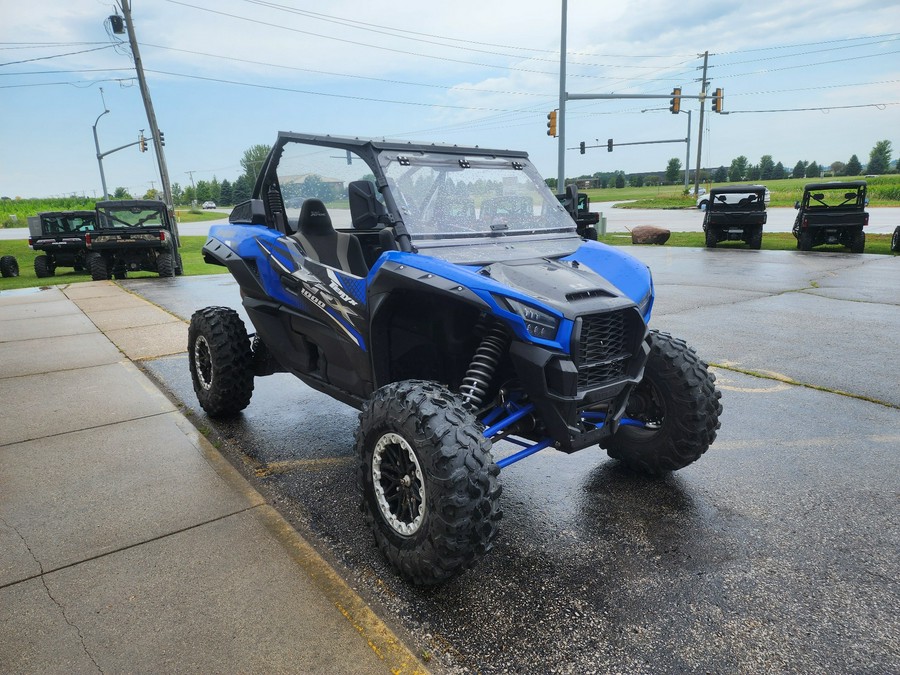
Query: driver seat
x,y
323,244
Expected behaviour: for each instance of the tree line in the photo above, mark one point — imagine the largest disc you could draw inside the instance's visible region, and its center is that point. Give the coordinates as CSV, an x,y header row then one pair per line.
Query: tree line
x,y
740,169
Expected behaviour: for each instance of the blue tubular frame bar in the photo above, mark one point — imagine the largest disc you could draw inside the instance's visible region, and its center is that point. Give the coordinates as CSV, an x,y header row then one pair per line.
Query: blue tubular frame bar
x,y
522,454
598,419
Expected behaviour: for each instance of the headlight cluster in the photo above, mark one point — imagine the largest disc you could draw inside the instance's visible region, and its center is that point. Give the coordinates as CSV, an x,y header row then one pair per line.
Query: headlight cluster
x,y
538,323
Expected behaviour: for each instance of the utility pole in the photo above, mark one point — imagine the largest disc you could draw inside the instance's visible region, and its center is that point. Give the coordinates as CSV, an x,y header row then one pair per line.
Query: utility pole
x,y
561,148
154,131
700,126
148,104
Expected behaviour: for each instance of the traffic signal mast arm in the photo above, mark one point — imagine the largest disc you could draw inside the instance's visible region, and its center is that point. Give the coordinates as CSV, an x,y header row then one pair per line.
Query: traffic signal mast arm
x,y
101,155
676,95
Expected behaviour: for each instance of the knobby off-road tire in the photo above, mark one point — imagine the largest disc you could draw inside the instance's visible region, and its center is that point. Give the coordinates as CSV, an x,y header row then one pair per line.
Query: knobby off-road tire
x,y
99,268
755,241
858,242
42,267
711,238
805,241
678,399
165,265
220,360
9,266
428,482
895,240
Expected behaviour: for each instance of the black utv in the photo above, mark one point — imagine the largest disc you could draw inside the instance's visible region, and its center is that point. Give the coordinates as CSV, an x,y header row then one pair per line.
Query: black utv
x,y
832,213
60,237
578,204
735,213
133,235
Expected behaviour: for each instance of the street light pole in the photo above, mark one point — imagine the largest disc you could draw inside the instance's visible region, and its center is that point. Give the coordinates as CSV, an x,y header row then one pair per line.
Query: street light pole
x,y
100,156
687,154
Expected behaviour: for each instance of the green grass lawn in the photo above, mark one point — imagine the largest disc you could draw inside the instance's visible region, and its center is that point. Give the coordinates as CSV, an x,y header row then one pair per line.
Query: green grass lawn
x,y
185,216
190,255
882,191
878,244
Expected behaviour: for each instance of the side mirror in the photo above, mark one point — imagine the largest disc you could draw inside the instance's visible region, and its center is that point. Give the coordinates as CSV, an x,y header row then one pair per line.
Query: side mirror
x,y
797,205
365,210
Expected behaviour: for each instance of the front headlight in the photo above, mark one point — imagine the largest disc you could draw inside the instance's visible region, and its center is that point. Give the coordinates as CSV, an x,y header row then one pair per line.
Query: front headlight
x,y
538,323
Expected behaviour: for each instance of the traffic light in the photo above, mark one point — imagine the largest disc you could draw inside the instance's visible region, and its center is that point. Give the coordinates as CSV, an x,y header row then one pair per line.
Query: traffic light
x,y
551,124
717,101
675,102
142,143
162,139
582,147
609,145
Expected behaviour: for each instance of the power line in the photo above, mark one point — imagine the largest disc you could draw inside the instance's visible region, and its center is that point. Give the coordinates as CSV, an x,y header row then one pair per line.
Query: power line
x,y
343,21
880,106
807,65
55,56
365,44
330,95
806,44
814,51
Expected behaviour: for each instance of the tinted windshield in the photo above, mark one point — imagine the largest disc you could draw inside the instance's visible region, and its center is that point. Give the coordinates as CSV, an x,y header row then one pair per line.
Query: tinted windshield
x,y
446,196
829,198
133,216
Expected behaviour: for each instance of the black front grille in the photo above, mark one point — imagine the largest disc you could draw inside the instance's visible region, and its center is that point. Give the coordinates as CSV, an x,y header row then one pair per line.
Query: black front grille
x,y
604,347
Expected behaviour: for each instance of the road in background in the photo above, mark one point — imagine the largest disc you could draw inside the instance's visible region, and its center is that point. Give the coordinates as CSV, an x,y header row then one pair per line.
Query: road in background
x,y
881,221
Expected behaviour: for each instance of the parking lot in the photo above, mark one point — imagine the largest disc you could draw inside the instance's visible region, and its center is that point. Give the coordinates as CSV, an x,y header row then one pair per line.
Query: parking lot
x,y
776,551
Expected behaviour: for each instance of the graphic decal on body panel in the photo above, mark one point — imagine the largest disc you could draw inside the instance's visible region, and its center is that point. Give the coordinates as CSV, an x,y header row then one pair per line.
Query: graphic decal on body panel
x,y
318,288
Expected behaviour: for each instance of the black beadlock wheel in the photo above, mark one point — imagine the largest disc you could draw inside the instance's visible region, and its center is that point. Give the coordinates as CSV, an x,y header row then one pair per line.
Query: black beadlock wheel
x,y
165,265
428,482
678,402
9,266
42,267
220,360
99,268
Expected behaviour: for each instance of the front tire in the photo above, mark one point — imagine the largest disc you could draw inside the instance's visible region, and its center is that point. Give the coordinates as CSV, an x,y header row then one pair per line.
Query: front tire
x,y
220,360
428,482
895,240
678,402
9,266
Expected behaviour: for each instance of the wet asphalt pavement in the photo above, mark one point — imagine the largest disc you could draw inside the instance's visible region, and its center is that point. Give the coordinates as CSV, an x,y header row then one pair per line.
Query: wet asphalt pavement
x,y
776,551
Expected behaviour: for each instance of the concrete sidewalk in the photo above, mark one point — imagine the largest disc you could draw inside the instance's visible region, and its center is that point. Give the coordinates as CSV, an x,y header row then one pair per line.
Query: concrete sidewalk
x,y
127,542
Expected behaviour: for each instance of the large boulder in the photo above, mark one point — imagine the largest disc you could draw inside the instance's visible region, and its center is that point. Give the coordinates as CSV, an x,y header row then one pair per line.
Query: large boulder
x,y
648,234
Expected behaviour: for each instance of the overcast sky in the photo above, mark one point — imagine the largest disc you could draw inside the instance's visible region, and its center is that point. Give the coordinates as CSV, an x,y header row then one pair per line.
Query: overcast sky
x,y
226,75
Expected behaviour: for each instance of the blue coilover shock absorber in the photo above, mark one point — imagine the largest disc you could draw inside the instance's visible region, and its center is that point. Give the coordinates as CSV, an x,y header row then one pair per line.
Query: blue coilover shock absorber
x,y
481,370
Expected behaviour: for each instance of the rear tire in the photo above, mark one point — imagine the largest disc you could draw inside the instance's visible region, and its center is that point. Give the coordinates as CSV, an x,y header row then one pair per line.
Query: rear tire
x,y
165,265
99,268
755,241
42,267
895,240
805,242
679,402
428,482
858,242
220,360
711,238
